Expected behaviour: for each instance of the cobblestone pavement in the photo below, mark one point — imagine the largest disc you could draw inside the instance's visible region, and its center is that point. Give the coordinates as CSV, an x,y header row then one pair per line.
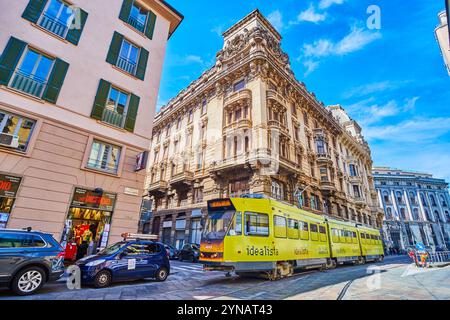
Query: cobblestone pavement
x,y
395,278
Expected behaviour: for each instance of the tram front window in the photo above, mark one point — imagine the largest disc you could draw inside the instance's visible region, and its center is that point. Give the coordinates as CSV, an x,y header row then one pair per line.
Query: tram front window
x,y
217,225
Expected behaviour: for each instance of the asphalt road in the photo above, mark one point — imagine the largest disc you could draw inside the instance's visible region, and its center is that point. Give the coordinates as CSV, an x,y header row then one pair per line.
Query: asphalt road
x,y
395,278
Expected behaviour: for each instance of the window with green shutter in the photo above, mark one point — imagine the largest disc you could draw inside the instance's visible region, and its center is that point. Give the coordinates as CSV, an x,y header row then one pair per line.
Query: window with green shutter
x,y
58,17
10,58
27,70
138,17
115,106
127,56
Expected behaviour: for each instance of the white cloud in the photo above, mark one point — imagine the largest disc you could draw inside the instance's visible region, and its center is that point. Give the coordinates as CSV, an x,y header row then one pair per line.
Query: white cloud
x,y
276,19
218,30
356,40
374,87
310,15
324,4
410,131
310,66
367,113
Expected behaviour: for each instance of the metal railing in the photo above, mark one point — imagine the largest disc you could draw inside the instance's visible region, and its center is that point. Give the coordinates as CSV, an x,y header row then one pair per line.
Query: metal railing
x,y
132,21
433,259
113,117
126,65
27,83
54,25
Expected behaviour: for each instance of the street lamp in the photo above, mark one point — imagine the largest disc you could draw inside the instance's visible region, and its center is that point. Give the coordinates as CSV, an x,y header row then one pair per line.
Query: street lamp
x,y
299,194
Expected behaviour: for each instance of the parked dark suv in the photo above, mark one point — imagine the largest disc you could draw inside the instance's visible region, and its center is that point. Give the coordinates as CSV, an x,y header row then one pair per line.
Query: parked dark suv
x,y
29,259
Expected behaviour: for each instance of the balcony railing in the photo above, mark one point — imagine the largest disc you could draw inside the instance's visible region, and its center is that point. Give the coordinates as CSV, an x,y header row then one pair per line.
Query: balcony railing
x,y
126,65
54,25
113,117
138,25
29,84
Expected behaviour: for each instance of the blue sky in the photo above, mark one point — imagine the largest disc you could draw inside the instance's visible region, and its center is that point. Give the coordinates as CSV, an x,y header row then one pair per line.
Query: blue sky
x,y
392,81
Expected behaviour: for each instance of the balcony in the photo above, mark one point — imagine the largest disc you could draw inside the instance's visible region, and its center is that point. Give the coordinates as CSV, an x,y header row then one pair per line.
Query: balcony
x,y
318,133
183,179
323,157
354,179
126,65
138,25
28,84
54,25
113,117
359,201
238,96
273,95
327,186
277,125
158,188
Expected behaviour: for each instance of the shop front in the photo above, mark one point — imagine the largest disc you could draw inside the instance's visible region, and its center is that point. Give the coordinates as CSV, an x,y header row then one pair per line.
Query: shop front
x,y
9,186
88,222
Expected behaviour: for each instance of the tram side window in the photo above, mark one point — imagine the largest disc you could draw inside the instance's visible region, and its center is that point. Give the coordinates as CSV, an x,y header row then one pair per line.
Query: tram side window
x,y
348,236
279,224
236,225
363,238
256,224
323,234
354,239
335,235
304,230
293,229
314,234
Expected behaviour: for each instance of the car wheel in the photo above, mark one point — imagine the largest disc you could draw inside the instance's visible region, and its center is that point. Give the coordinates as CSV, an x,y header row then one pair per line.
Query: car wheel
x,y
28,281
103,279
162,274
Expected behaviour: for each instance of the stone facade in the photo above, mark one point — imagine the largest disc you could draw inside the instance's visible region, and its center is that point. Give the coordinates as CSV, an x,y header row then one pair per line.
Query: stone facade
x,y
58,137
416,208
248,126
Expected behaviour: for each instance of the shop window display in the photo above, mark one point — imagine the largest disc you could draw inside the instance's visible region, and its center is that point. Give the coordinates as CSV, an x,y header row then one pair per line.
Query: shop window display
x,y
9,186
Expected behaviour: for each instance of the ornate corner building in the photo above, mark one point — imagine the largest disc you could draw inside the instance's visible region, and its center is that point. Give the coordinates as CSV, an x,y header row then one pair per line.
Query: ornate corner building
x,y
248,126
442,33
416,207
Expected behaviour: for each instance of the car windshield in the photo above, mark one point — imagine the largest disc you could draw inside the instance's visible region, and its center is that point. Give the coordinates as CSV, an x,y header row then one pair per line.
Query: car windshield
x,y
112,249
217,225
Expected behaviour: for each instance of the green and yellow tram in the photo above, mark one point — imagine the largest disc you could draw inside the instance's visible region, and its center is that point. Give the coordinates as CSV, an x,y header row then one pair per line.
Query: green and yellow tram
x,y
251,235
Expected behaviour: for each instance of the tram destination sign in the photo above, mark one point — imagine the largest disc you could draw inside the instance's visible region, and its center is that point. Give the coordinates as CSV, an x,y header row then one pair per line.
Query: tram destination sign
x,y
90,199
9,185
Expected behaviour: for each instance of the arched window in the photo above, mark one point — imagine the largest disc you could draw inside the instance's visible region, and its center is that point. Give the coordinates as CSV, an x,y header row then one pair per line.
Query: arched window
x,y
399,197
437,217
389,213
443,202
447,215
416,214
424,200
403,213
386,197
412,198
427,214
433,200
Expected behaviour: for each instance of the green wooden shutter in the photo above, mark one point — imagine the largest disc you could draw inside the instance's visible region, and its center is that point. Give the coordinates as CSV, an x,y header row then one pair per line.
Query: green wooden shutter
x,y
100,99
126,10
150,25
142,64
133,106
75,32
9,59
114,48
55,81
33,10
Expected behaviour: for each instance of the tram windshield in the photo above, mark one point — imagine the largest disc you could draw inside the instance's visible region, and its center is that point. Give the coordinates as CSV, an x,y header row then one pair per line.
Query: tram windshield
x,y
217,225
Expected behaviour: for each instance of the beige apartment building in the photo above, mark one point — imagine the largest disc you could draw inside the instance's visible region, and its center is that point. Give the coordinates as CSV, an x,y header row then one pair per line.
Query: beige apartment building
x,y
443,36
247,125
78,85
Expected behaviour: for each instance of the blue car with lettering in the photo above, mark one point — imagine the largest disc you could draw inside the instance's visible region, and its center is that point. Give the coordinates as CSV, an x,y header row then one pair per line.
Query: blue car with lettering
x,y
124,261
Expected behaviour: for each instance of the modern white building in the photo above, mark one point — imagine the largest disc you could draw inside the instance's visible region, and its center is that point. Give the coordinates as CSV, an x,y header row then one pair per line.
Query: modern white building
x,y
416,207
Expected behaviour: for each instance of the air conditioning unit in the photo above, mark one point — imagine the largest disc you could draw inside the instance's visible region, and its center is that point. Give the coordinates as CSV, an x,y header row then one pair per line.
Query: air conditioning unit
x,y
9,140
